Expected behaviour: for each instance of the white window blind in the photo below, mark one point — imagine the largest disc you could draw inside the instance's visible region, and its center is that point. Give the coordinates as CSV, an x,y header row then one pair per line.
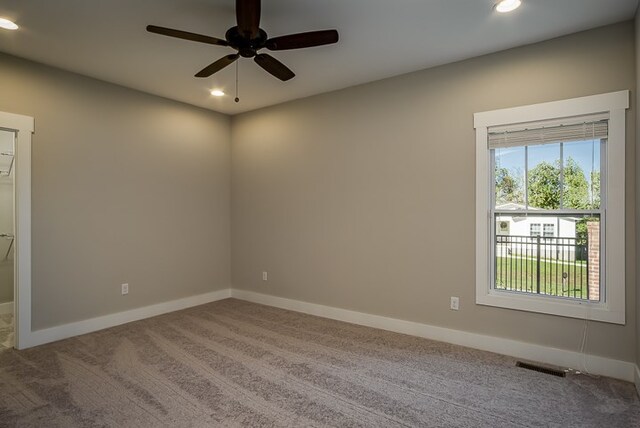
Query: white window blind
x,y
592,127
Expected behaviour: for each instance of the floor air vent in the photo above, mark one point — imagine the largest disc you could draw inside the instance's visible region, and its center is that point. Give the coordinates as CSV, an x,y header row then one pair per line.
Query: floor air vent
x,y
541,369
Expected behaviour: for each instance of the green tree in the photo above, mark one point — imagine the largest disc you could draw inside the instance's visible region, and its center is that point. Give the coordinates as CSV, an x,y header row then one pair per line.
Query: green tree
x,y
581,225
595,189
576,187
544,186
508,188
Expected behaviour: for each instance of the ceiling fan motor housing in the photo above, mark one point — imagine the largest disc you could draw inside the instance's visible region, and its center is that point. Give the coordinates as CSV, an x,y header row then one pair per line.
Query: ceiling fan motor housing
x,y
247,48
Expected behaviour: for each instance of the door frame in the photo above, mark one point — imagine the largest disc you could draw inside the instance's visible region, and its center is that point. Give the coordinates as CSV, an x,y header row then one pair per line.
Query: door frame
x,y
23,126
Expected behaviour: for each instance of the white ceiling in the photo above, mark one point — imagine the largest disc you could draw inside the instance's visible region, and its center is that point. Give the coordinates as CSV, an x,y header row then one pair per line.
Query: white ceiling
x,y
106,39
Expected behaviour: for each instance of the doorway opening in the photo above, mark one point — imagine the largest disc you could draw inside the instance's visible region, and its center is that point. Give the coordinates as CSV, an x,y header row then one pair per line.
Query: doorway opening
x,y
7,239
15,230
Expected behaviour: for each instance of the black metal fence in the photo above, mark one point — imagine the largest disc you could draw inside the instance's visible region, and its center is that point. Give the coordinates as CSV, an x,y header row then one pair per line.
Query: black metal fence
x,y
542,265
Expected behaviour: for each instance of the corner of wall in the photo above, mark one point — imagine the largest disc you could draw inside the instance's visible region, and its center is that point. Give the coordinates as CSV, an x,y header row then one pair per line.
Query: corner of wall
x,y
637,195
637,207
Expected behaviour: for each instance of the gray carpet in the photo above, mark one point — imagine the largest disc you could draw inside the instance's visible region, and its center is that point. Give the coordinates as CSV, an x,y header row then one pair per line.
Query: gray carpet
x,y
233,363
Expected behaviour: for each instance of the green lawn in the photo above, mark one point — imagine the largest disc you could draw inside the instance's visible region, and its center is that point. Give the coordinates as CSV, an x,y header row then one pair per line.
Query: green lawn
x,y
519,274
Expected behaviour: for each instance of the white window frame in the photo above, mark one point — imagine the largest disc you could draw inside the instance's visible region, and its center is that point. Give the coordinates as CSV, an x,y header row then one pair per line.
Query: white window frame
x,y
611,307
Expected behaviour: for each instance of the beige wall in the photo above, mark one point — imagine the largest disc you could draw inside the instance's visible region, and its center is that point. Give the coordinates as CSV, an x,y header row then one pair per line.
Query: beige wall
x,y
361,199
127,187
364,198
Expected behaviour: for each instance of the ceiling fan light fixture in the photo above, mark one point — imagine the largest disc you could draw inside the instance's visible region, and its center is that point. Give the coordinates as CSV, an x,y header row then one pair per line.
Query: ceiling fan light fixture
x,y
217,93
7,24
247,39
504,6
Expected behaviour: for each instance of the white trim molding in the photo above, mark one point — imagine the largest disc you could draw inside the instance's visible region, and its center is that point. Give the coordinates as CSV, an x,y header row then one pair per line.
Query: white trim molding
x,y
637,380
40,337
559,357
552,110
611,308
23,127
594,364
6,308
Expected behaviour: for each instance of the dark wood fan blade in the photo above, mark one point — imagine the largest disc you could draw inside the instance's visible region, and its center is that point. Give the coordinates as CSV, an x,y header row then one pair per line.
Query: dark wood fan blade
x,y
248,17
273,66
218,65
302,40
186,35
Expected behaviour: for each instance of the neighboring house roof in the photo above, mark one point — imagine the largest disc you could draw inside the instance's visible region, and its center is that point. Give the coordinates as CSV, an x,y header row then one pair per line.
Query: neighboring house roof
x,y
514,206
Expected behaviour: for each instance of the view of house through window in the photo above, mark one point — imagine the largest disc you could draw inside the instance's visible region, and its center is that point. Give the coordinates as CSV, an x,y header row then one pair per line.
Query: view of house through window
x,y
547,210
534,229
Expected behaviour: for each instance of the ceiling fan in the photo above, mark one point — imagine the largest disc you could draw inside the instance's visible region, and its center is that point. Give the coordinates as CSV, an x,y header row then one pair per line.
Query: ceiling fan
x,y
247,38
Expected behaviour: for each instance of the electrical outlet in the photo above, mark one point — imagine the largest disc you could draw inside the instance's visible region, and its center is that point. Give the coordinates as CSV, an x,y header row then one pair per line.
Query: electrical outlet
x,y
125,289
455,303
264,276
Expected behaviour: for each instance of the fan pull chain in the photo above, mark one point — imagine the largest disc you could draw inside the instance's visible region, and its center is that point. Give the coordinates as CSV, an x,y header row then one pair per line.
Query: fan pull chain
x,y
237,65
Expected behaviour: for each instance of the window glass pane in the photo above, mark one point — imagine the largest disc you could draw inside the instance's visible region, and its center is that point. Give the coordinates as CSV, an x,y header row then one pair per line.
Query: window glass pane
x,y
529,258
582,175
534,229
544,176
509,178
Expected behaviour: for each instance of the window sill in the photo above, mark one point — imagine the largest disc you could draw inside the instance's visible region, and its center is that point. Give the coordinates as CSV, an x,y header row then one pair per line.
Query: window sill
x,y
594,311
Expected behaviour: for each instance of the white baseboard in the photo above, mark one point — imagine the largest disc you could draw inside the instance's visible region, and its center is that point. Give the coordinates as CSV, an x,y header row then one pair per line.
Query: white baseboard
x,y
563,358
596,365
6,308
40,337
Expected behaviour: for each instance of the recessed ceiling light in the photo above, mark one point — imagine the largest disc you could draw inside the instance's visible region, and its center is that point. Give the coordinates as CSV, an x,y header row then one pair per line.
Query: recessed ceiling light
x,y
504,6
7,25
217,93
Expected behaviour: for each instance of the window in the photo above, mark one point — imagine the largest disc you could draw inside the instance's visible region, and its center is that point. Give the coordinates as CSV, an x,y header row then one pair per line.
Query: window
x,y
542,169
549,172
534,229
